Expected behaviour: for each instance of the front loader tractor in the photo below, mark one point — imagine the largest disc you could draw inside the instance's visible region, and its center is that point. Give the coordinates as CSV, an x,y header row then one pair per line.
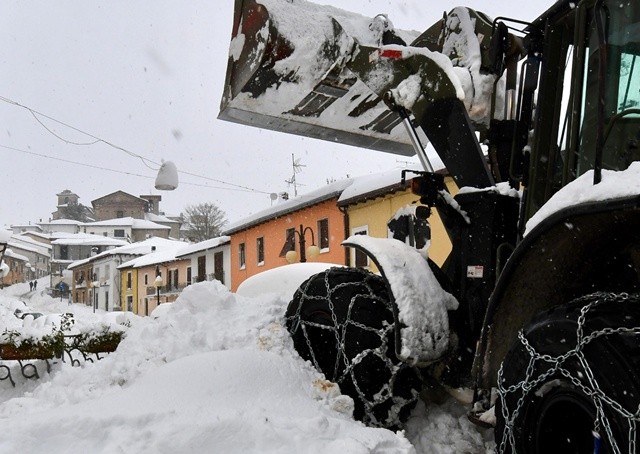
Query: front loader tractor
x,y
536,310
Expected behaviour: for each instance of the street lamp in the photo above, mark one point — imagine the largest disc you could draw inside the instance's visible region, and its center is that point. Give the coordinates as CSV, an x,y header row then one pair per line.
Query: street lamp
x,y
96,287
157,283
312,251
167,179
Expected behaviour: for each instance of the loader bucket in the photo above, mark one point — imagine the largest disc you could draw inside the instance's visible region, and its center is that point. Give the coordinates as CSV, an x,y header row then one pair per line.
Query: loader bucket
x,y
287,72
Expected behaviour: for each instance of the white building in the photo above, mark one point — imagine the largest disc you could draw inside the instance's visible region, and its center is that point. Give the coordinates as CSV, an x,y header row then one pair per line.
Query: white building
x,y
130,229
38,253
61,225
103,278
210,259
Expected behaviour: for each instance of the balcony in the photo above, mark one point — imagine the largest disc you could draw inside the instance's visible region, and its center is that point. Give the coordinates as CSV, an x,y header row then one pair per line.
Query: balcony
x,y
151,290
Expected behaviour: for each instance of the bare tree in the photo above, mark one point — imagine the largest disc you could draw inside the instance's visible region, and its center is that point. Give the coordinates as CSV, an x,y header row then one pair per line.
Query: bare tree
x,y
203,221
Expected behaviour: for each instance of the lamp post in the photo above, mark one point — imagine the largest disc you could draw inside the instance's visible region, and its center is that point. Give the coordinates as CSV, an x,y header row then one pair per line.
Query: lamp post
x,y
312,251
96,286
157,283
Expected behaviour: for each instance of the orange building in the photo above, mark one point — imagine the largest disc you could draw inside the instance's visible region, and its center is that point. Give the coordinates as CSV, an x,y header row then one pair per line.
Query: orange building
x,y
260,242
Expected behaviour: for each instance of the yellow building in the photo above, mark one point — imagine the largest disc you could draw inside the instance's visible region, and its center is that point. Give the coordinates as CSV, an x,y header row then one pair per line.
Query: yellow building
x,y
369,205
129,287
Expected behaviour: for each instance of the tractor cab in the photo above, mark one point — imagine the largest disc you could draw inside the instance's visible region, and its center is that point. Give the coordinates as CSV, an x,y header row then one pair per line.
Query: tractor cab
x,y
588,107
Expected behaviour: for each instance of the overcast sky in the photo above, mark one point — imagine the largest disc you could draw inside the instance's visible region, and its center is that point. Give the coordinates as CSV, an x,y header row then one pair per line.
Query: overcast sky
x,y
147,76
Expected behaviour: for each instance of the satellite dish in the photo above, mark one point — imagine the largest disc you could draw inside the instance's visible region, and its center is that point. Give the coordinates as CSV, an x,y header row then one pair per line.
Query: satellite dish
x,y
273,196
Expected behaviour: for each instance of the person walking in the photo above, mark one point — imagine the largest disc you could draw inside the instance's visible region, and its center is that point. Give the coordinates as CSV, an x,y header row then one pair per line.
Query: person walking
x,y
35,284
31,286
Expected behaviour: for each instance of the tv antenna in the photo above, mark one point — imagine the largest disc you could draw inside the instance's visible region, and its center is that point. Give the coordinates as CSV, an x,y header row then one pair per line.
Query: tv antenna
x,y
297,168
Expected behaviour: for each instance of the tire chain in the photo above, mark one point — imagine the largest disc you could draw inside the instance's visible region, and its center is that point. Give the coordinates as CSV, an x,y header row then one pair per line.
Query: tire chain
x,y
591,389
339,330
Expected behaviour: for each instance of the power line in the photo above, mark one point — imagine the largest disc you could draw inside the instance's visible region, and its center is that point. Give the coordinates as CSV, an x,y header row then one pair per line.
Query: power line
x,y
68,161
97,139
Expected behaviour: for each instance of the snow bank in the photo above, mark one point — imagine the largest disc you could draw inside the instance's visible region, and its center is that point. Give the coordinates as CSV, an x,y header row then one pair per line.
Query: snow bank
x,y
282,281
217,373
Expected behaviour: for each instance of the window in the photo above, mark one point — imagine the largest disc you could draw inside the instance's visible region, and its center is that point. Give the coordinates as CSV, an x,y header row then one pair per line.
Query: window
x,y
118,233
260,250
188,275
289,242
360,259
129,303
241,256
119,214
323,234
129,280
146,279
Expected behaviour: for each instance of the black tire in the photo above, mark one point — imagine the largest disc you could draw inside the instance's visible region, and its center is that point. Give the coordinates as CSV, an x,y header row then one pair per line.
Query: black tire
x,y
586,369
342,321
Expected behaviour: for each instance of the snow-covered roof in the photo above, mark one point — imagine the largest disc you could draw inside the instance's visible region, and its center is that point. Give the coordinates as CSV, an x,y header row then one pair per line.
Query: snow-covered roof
x,y
167,254
26,226
22,238
10,253
79,239
136,224
139,248
66,192
159,218
61,222
292,205
45,236
204,245
23,247
371,186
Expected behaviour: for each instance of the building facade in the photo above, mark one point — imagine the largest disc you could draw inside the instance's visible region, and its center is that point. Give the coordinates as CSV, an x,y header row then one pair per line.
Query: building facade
x,y
210,260
97,279
370,205
260,242
127,228
138,276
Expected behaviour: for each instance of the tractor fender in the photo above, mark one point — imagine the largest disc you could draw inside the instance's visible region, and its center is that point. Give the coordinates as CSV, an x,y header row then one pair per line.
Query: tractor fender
x,y
576,251
420,304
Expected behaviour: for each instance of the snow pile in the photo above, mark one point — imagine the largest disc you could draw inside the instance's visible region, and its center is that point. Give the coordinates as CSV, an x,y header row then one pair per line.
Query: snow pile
x,y
422,303
216,373
614,184
282,281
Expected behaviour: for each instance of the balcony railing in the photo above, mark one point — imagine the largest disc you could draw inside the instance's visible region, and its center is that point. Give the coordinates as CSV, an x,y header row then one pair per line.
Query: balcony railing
x,y
151,290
